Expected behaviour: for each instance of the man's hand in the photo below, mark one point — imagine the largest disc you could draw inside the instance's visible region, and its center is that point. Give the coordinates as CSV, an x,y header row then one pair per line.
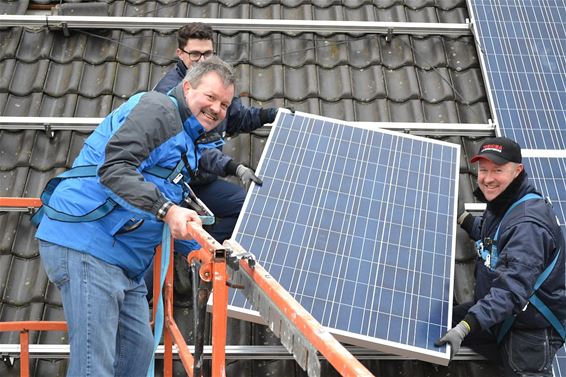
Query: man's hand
x,y
178,218
247,175
454,337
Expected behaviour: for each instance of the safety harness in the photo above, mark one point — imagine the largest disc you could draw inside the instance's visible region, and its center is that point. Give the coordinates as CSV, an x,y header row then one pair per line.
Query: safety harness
x,y
487,251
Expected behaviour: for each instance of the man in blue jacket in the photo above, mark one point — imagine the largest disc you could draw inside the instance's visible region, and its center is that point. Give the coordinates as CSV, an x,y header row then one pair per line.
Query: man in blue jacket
x,y
520,297
101,226
224,199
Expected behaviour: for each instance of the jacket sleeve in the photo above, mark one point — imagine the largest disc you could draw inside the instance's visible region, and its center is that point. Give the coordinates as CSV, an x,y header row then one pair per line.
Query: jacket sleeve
x,y
522,254
242,119
152,122
214,161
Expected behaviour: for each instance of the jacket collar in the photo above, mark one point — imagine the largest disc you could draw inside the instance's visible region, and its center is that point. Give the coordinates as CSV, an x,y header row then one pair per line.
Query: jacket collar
x,y
190,124
515,191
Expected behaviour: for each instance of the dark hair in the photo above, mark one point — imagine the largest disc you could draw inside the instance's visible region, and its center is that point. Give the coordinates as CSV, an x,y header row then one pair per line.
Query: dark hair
x,y
195,30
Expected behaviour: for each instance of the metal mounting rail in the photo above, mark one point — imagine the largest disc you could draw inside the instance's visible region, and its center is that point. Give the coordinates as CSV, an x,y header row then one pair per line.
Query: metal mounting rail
x,y
61,351
49,123
231,25
89,124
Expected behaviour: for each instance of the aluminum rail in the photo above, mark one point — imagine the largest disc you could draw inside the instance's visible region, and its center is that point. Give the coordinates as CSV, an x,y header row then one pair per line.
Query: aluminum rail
x,y
89,124
56,351
231,24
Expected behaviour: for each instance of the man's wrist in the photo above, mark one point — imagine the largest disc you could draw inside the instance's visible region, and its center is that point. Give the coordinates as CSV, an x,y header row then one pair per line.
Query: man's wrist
x,y
162,212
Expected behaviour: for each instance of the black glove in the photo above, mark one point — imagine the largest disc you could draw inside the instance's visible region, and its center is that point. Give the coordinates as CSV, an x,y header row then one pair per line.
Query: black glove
x,y
466,221
454,337
247,175
267,115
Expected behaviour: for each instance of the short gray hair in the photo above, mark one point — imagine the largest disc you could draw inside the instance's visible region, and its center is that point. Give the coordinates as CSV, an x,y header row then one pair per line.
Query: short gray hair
x,y
213,64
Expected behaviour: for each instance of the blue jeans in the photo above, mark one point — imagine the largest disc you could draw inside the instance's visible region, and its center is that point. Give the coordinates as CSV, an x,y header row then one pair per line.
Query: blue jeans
x,y
225,200
107,314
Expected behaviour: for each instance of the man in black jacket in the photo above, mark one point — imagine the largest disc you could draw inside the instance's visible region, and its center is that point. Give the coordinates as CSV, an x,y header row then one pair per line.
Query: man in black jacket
x,y
520,297
224,199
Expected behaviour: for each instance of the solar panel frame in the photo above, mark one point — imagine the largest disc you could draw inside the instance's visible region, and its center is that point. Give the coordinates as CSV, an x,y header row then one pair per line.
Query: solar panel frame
x,y
243,311
522,45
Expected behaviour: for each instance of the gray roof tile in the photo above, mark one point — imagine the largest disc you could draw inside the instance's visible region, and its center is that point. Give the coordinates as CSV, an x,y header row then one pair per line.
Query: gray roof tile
x,y
50,152
13,7
369,83
427,14
435,85
456,15
29,77
135,48
335,83
401,84
396,52
338,110
131,79
100,50
475,113
23,290
429,52
95,107
469,85
22,106
374,111
266,51
363,51
34,45
67,49
408,111
299,83
31,312
97,79
331,51
9,41
461,53
272,75
58,106
396,13
442,112
15,149
63,78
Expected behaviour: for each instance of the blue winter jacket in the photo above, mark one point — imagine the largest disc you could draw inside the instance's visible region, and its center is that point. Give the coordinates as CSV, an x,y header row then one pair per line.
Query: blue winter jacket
x,y
529,239
239,119
150,129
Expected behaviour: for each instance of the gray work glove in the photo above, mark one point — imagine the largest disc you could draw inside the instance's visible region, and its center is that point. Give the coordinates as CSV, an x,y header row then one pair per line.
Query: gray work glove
x,y
247,175
454,337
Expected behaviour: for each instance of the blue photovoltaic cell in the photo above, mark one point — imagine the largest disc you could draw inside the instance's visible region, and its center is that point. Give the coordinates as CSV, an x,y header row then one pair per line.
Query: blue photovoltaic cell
x,y
359,226
524,46
549,177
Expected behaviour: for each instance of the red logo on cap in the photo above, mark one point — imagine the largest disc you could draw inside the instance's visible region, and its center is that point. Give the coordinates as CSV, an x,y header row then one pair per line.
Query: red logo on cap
x,y
492,147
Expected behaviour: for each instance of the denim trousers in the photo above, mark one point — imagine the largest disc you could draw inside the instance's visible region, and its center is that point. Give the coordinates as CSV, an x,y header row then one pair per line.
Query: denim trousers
x,y
521,353
106,312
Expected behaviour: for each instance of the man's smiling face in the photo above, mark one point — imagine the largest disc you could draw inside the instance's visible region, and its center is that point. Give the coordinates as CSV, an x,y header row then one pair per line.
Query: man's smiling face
x,y
493,179
209,99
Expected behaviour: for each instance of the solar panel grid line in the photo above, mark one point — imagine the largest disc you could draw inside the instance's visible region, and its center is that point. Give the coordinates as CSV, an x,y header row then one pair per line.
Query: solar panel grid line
x,y
331,273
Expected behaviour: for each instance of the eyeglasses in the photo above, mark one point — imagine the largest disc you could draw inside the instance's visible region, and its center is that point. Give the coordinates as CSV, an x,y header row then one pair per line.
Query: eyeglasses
x,y
197,55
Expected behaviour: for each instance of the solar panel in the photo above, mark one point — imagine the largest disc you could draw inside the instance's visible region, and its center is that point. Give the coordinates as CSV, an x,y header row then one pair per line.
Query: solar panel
x,y
524,46
358,224
559,367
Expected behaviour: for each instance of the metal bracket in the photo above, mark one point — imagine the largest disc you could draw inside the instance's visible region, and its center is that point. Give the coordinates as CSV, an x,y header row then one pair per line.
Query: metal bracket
x,y
8,361
389,35
49,131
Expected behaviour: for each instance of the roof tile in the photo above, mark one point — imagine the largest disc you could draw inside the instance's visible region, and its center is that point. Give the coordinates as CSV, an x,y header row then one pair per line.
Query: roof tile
x,y
58,106
38,179
35,45
442,112
456,15
396,13
331,51
300,50
476,113
272,75
408,111
339,110
335,84
429,52
363,51
376,110
234,49
461,53
23,106
13,7
9,41
301,83
163,49
30,312
131,79
95,107
7,69
66,49
266,50
29,77
435,85
98,79
63,78
396,52
50,152
369,83
15,149
26,246
135,48
100,50
31,284
13,182
401,84
468,85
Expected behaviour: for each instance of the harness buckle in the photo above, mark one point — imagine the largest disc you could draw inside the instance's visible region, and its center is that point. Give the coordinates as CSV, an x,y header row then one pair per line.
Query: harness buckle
x,y
178,178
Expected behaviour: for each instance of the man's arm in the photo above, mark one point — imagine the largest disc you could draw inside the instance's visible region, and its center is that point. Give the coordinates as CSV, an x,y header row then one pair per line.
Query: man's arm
x,y
242,119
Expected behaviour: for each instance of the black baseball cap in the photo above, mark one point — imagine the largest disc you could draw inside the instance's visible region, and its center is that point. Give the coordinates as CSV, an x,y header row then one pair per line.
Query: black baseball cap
x,y
499,150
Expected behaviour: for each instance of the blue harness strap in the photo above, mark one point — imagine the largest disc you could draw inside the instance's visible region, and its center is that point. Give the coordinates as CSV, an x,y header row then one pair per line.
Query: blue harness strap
x,y
492,256
171,175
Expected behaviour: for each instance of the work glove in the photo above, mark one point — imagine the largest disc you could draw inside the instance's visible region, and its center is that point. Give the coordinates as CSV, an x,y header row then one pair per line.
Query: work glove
x,y
466,221
454,337
267,115
247,175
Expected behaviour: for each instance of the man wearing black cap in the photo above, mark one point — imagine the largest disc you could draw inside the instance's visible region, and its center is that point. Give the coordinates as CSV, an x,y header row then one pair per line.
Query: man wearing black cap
x,y
520,297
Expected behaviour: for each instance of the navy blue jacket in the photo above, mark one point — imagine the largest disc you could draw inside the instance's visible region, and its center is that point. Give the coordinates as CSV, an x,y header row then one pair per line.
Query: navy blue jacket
x,y
529,239
239,119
